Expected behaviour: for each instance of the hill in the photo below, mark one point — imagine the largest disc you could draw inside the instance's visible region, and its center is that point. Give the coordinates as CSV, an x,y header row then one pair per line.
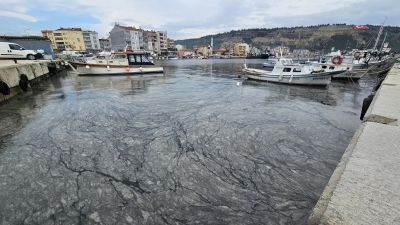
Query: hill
x,y
326,36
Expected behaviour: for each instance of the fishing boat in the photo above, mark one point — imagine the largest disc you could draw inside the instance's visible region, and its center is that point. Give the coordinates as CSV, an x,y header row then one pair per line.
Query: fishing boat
x,y
121,63
287,72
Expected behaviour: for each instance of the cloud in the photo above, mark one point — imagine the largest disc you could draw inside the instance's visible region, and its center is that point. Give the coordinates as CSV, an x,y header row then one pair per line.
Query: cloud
x,y
16,15
192,18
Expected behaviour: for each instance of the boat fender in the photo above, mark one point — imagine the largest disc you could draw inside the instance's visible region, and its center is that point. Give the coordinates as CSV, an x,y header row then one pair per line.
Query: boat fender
x,y
366,103
140,69
281,76
127,68
108,68
4,88
87,67
24,77
291,79
23,84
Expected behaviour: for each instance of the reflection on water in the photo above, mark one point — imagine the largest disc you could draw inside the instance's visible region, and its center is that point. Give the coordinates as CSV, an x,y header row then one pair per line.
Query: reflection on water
x,y
186,147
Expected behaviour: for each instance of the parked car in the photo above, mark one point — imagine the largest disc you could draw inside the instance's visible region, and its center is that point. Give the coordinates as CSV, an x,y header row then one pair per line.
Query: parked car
x,y
9,50
72,53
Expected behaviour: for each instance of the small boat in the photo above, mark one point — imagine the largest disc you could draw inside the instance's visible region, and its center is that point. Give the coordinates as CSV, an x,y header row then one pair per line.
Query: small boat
x,y
121,63
269,64
288,72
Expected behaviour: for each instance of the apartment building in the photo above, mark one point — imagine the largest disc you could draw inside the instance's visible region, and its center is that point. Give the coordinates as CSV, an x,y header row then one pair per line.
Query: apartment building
x,y
170,43
150,40
91,40
156,41
66,39
105,45
126,36
241,49
162,42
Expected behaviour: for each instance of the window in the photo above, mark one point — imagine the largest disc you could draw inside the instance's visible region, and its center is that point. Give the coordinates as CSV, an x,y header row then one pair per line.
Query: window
x,y
15,47
138,58
145,59
331,67
296,70
119,56
287,69
79,40
323,67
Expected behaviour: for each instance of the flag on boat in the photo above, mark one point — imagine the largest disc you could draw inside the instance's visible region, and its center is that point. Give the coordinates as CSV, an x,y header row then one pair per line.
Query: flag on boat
x,y
361,27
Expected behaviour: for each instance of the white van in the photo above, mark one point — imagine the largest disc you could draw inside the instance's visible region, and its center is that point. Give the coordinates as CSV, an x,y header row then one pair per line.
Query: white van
x,y
72,53
9,50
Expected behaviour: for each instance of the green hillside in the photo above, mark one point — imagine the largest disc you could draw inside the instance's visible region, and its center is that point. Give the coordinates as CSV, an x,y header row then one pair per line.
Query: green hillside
x,y
325,36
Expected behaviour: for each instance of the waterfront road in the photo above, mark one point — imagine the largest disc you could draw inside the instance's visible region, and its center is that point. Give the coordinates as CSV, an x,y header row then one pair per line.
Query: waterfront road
x,y
191,146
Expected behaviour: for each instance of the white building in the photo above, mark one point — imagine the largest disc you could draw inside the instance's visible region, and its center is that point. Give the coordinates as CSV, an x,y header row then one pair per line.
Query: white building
x,y
122,36
91,40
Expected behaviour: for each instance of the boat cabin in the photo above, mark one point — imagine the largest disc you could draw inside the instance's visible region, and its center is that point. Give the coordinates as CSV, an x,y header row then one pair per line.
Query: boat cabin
x,y
133,58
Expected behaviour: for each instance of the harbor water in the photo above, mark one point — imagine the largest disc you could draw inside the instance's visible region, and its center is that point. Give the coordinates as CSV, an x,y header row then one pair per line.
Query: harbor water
x,y
195,145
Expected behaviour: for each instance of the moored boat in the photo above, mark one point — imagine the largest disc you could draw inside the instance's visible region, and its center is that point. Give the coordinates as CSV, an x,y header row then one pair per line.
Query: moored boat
x,y
121,63
285,71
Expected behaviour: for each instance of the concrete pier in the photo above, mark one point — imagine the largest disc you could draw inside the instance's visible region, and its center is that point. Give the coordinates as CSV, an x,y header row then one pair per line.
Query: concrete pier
x,y
364,188
10,72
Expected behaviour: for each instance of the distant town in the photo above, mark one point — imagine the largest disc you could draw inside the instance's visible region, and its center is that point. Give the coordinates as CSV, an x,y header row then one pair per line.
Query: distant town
x,y
155,43
55,43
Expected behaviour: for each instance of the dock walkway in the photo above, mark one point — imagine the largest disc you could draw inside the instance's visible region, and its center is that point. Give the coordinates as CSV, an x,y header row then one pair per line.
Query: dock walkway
x,y
364,188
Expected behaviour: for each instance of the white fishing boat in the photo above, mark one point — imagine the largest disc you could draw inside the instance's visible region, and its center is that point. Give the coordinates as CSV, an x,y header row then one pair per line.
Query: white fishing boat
x,y
288,72
121,63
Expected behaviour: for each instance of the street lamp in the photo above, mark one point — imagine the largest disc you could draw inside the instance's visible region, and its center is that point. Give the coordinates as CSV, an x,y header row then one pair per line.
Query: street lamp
x,y
26,33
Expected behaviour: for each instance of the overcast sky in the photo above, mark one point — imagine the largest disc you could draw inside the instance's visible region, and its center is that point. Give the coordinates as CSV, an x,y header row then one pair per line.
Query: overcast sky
x,y
184,19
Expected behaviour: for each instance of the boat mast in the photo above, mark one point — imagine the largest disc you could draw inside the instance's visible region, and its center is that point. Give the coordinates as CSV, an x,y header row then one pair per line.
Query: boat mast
x,y
379,35
383,42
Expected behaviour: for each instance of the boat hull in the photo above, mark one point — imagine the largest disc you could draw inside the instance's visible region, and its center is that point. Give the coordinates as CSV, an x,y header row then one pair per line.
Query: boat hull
x,y
320,80
92,70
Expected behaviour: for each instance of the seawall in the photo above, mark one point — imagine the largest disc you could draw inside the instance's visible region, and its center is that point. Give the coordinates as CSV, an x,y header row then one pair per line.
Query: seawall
x,y
10,72
364,186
